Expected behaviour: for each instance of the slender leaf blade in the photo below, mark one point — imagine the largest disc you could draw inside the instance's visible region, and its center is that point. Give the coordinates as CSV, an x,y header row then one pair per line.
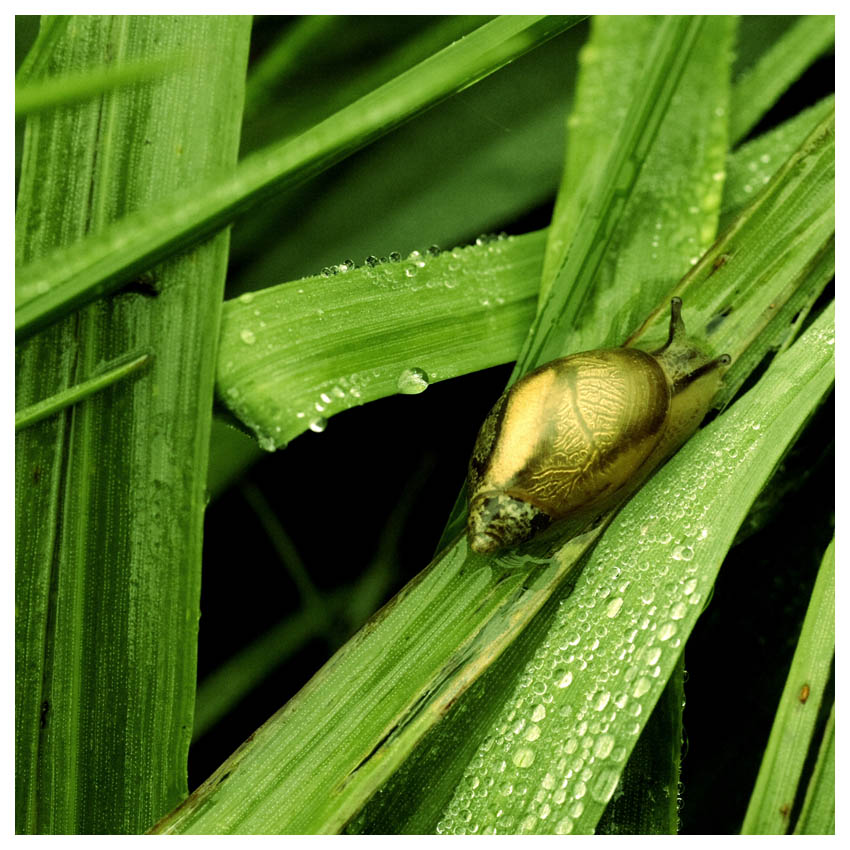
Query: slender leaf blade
x,y
760,86
778,782
818,815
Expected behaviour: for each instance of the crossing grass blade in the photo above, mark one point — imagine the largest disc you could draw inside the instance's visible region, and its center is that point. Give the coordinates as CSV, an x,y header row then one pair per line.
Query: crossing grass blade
x,y
51,287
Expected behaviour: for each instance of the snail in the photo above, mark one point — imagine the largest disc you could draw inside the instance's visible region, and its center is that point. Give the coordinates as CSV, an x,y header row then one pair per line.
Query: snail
x,y
576,435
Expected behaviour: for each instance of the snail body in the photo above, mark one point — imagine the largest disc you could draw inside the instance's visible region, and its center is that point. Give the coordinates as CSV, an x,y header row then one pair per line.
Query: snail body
x,y
576,435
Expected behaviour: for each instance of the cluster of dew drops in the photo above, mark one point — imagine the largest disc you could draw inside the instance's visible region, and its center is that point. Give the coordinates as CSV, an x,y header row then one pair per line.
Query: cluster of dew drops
x,y
383,271
620,634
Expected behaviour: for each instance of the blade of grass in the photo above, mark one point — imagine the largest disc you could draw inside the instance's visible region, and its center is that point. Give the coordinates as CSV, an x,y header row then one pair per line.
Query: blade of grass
x,y
779,778
752,165
415,322
71,88
49,288
760,86
106,622
462,169
558,314
818,815
41,410
316,40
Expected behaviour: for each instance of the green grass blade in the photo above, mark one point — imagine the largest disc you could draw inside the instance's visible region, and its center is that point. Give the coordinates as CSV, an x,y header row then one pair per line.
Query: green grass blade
x,y
759,87
110,492
317,38
287,363
459,170
49,288
41,410
818,814
611,67
67,89
752,165
779,779
663,70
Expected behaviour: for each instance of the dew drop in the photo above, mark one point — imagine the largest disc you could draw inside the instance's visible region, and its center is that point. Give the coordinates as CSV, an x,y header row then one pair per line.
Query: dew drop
x,y
601,700
528,824
604,786
565,680
603,746
678,611
413,381
667,631
653,655
247,336
564,826
642,685
533,732
246,297
318,424
523,757
614,607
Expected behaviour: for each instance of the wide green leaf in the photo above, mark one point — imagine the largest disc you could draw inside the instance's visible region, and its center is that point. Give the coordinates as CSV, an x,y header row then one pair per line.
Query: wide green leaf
x,y
110,491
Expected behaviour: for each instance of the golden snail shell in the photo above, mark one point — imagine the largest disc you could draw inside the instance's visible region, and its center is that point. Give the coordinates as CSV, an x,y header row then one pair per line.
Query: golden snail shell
x,y
577,434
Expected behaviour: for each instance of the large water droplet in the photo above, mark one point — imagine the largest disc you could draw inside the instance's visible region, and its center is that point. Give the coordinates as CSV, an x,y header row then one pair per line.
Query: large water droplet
x,y
318,424
413,381
604,786
614,607
565,680
603,746
564,827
